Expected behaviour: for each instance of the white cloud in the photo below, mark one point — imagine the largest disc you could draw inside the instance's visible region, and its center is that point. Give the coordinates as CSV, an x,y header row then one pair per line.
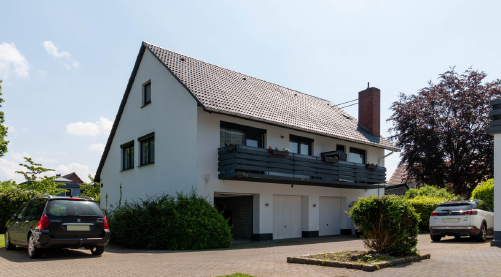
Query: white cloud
x,y
99,147
42,153
10,58
61,153
81,170
8,170
18,157
11,129
67,60
90,129
45,160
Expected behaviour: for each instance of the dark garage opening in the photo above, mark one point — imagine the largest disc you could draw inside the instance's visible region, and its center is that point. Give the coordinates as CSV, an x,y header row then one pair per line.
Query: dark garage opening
x,y
238,209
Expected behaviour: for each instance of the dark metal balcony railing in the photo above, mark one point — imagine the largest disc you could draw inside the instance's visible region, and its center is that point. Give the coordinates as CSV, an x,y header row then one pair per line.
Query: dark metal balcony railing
x,y
246,163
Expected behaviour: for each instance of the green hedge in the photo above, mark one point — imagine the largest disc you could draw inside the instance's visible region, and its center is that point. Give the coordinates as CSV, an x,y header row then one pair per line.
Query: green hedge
x,y
389,224
424,206
485,191
10,201
164,222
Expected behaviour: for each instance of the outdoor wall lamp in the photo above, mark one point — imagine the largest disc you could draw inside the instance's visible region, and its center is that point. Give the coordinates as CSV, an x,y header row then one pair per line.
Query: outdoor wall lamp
x,y
314,205
207,178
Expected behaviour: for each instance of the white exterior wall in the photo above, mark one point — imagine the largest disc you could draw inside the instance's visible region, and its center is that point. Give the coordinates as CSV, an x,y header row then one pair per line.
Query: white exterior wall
x,y
172,115
209,142
497,192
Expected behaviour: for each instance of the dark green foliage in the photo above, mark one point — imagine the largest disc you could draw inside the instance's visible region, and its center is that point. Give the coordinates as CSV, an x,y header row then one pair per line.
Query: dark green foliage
x,y
3,128
10,201
164,222
485,191
431,191
91,190
389,224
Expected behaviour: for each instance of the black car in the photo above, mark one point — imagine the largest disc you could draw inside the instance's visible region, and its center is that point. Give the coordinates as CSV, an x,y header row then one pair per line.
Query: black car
x,y
58,222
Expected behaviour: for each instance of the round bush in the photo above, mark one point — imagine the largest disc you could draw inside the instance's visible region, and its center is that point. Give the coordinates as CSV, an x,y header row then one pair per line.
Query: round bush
x,y
424,206
164,222
485,191
389,224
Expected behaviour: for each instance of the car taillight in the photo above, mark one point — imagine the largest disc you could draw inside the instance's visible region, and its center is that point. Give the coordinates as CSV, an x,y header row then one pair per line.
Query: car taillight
x,y
43,223
434,213
106,227
470,212
78,199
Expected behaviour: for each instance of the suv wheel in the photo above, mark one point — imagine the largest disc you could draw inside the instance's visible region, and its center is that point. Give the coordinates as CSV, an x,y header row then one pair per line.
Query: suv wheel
x,y
483,234
8,245
33,251
436,238
97,250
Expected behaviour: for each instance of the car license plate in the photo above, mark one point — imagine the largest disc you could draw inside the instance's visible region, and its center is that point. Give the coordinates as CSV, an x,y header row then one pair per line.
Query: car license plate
x,y
78,228
451,220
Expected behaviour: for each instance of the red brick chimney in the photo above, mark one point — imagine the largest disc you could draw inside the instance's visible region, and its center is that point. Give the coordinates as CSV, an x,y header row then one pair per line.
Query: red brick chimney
x,y
369,109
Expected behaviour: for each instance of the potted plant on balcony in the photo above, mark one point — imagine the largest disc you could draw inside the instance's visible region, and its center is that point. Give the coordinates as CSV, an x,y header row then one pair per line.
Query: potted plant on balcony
x,y
328,159
275,151
371,166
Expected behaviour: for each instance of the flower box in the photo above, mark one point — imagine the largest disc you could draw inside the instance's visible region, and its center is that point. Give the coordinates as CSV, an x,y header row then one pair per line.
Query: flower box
x,y
279,152
371,166
329,159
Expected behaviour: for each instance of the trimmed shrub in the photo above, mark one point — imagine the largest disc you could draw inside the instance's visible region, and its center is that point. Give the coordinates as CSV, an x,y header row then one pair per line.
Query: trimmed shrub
x,y
187,221
424,205
10,201
485,191
431,191
389,224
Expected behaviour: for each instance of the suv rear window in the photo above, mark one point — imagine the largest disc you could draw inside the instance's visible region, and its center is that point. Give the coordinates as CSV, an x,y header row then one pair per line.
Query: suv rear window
x,y
63,207
454,207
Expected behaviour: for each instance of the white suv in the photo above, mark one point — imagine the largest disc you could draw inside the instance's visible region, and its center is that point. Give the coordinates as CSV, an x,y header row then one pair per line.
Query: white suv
x,y
472,218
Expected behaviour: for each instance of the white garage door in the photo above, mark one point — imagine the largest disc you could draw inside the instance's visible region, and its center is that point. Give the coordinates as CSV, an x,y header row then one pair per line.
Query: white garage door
x,y
330,216
286,217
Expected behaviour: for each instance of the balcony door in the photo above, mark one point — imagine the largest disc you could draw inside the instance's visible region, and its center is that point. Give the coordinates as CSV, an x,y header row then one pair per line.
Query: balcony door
x,y
231,133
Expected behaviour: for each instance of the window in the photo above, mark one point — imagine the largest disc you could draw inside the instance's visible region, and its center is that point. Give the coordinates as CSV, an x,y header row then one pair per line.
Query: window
x,y
147,93
147,149
340,148
357,155
300,145
127,155
231,133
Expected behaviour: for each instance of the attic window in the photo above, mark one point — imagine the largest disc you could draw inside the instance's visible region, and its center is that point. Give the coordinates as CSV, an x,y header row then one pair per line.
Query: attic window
x,y
182,59
244,79
147,93
347,117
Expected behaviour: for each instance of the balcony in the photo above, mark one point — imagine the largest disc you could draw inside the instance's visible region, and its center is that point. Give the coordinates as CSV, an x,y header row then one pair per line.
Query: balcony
x,y
244,163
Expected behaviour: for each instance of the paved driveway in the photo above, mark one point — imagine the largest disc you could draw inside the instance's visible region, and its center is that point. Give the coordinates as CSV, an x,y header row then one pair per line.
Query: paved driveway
x,y
448,258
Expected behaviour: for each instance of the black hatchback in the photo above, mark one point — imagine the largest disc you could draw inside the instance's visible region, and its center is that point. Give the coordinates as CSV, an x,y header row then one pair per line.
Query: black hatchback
x,y
58,222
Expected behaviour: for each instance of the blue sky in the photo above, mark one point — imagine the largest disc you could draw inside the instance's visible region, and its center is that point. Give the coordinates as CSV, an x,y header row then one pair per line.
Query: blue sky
x,y
65,64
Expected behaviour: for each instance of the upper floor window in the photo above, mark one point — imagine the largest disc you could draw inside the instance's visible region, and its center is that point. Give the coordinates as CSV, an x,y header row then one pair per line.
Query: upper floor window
x,y
231,133
357,155
147,93
147,149
300,145
340,148
127,155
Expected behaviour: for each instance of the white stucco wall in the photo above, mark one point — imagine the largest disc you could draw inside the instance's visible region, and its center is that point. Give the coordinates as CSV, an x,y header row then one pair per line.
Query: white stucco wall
x,y
497,183
208,144
172,115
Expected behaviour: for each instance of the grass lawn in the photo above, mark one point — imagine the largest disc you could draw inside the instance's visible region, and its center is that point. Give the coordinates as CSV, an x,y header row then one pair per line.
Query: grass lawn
x,y
237,275
2,242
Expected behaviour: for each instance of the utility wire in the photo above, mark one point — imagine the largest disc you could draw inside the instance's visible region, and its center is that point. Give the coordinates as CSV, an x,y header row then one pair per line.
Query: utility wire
x,y
346,102
348,106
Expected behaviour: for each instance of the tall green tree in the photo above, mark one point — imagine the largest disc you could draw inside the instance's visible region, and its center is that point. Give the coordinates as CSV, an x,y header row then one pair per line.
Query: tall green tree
x,y
442,130
43,185
3,128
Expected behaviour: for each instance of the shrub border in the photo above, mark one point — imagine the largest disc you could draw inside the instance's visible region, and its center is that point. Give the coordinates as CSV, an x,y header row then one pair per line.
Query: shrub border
x,y
365,267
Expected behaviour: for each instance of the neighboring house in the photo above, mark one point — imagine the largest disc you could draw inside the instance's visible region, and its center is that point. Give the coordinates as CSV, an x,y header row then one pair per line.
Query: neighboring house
x,y
187,124
71,184
400,182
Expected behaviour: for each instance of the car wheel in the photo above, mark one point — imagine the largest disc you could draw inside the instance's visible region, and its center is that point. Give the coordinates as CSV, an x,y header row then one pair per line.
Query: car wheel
x,y
436,238
457,237
97,250
8,244
33,251
483,234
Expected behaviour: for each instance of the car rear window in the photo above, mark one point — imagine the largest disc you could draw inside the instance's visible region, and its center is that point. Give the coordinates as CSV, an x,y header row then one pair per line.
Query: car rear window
x,y
454,207
63,207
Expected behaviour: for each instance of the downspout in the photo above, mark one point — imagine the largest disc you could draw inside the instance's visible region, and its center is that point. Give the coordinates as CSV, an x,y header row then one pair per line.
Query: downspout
x,y
380,160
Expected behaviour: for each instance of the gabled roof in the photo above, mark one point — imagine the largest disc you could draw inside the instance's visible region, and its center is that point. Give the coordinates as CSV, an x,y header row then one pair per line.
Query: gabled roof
x,y
74,178
399,176
221,90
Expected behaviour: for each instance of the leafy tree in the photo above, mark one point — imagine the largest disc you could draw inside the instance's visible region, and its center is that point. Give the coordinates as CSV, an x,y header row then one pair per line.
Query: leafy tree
x,y
485,191
3,128
430,191
442,130
43,185
7,185
91,189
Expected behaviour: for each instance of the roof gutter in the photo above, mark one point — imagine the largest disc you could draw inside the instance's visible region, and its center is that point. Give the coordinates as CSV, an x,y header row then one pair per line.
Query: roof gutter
x,y
211,110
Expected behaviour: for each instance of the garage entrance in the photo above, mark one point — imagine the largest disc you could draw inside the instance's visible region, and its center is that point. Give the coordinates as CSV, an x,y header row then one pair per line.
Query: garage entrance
x,y
286,217
238,209
330,216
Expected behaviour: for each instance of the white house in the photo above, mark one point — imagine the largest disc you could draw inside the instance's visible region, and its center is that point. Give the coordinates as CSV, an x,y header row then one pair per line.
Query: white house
x,y
495,130
184,123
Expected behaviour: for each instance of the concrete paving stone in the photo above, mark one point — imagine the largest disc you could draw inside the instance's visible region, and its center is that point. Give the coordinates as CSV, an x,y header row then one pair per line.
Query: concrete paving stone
x,y
450,257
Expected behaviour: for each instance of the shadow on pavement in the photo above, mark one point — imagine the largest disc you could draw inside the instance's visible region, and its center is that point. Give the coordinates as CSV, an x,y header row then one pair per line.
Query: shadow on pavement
x,y
20,255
